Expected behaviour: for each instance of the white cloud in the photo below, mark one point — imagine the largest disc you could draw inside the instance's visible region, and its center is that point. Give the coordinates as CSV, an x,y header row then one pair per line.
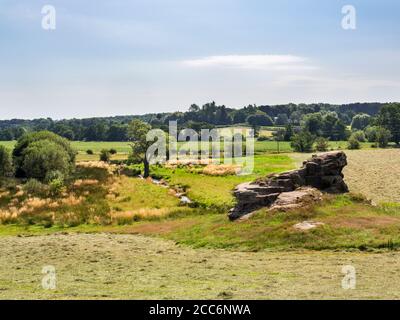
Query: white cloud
x,y
253,62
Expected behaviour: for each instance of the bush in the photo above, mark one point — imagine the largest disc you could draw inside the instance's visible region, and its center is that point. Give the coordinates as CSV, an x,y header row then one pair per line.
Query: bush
x,y
113,151
353,143
303,141
35,188
359,135
56,186
89,151
43,157
370,133
383,137
105,155
6,166
57,145
322,144
54,175
263,138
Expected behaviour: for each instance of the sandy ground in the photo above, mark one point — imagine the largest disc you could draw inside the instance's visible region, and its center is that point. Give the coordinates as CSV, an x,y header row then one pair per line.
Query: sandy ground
x,y
374,173
101,266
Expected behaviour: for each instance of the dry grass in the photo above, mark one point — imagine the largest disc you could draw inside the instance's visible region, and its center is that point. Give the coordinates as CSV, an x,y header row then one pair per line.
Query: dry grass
x,y
221,170
104,266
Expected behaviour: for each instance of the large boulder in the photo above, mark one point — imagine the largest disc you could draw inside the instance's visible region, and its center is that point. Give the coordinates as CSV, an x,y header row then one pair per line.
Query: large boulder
x,y
322,172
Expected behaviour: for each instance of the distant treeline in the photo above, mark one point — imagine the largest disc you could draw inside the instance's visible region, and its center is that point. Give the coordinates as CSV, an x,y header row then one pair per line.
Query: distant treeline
x,y
207,116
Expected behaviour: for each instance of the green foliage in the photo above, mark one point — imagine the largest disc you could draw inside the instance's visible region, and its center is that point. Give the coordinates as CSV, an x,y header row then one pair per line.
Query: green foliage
x,y
137,133
89,151
389,118
359,135
105,155
113,151
260,119
6,166
353,143
60,146
383,136
44,156
322,144
371,133
34,187
56,186
360,121
303,141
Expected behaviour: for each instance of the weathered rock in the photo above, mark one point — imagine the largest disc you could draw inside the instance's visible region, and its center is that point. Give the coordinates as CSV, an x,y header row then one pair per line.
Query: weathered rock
x,y
299,198
322,172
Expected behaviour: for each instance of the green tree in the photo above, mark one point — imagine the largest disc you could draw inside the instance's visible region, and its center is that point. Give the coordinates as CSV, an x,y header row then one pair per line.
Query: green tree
x,y
260,119
383,136
42,157
27,139
353,142
389,118
288,132
360,121
279,136
105,155
6,166
322,144
137,132
303,141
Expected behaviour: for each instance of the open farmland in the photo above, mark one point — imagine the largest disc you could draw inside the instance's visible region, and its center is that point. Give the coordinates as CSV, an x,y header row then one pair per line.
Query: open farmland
x,y
373,173
104,266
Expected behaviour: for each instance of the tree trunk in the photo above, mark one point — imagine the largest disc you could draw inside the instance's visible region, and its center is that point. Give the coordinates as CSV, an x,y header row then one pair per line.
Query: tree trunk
x,y
146,168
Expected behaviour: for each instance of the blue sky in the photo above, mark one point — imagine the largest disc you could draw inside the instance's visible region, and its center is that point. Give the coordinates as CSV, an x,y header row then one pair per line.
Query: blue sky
x,y
133,57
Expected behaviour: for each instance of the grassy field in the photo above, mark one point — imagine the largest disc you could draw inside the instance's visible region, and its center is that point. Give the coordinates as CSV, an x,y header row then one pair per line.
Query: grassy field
x,y
123,148
106,266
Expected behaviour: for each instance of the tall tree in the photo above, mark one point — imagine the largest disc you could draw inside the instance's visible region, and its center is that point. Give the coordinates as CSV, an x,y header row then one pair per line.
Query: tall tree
x,y
137,132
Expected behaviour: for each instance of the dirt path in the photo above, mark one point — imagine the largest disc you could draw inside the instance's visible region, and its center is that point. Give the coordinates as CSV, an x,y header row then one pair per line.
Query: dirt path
x,y
374,173
128,266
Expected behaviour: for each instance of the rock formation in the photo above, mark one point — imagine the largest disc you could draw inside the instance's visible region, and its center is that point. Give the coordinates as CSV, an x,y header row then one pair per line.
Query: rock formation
x,y
322,172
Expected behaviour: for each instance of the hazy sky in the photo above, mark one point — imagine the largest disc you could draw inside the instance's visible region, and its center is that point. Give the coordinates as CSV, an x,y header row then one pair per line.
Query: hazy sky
x,y
117,57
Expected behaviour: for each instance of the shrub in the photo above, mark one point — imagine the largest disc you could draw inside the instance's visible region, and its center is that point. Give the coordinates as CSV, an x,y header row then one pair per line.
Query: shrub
x,y
54,175
35,188
105,155
56,186
6,167
89,151
322,144
383,137
359,135
44,156
353,143
62,145
263,138
303,141
370,133
113,151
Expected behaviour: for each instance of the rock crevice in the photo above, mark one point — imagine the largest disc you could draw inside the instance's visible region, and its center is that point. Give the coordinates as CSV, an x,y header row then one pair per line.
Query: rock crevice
x,y
322,172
